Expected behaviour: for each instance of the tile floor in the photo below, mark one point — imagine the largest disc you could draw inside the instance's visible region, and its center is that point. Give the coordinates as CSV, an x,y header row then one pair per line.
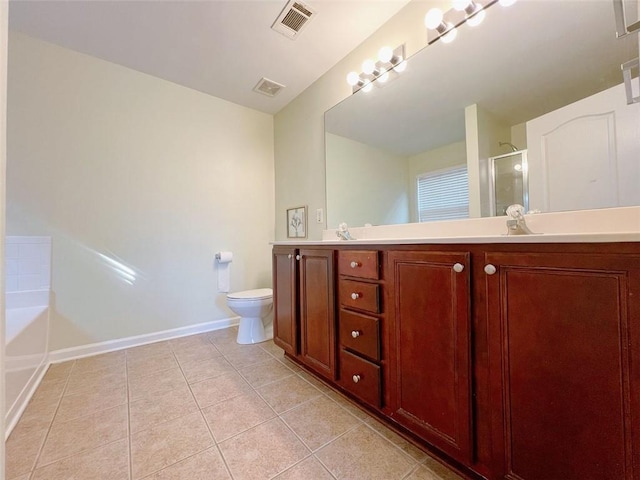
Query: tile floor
x,y
202,408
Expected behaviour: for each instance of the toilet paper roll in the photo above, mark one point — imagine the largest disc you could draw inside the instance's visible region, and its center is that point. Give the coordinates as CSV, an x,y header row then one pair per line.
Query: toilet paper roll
x,y
224,274
224,257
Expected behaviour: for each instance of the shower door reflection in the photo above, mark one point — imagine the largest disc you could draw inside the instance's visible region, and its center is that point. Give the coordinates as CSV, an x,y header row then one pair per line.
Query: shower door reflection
x,y
508,176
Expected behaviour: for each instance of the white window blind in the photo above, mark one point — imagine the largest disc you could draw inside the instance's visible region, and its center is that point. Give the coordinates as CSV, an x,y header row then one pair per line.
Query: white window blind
x,y
443,195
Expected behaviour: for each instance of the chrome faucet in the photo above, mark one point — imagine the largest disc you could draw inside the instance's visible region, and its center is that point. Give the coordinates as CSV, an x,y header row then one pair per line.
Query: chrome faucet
x,y
343,232
516,225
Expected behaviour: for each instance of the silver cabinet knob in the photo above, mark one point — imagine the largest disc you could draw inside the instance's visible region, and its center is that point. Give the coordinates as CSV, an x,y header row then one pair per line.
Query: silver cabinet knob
x,y
458,267
297,257
355,334
490,269
355,264
355,296
290,256
356,378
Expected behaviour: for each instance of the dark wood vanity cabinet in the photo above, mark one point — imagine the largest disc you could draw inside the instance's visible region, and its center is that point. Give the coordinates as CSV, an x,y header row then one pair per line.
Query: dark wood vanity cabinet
x,y
564,332
430,350
304,306
509,361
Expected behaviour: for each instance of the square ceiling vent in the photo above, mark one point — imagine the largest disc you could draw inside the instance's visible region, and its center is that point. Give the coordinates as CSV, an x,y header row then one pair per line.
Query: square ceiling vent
x,y
268,87
293,18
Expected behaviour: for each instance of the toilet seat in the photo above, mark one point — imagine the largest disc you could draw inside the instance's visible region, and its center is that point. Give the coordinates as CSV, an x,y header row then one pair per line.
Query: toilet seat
x,y
257,294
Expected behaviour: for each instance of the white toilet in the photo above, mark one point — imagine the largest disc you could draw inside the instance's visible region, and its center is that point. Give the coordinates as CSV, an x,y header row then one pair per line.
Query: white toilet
x,y
254,307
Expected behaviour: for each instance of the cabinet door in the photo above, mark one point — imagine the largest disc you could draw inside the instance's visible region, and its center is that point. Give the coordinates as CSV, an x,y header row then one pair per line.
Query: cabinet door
x,y
285,319
431,347
564,348
317,311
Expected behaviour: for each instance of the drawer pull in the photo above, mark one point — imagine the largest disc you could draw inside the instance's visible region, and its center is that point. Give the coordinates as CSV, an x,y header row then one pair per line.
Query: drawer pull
x,y
356,378
355,264
355,334
355,296
458,267
290,256
490,269
297,257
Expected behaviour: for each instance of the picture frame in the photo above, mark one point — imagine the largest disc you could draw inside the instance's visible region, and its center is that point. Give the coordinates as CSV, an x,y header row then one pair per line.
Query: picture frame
x,y
297,222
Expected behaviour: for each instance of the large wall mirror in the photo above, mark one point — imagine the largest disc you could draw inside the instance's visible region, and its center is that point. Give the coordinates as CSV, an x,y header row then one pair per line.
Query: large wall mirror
x,y
541,77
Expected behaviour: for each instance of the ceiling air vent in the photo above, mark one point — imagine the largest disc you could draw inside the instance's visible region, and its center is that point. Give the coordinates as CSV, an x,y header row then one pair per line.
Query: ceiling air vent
x,y
268,87
293,19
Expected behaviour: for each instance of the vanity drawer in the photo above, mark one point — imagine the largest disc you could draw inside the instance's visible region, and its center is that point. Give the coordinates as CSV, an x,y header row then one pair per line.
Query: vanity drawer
x,y
359,263
360,295
360,333
360,377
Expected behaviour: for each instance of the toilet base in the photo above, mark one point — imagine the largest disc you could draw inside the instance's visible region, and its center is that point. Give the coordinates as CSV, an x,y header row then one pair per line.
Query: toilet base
x,y
252,330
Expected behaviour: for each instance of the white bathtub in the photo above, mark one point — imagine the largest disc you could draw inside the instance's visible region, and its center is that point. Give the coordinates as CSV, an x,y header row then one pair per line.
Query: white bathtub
x,y
27,331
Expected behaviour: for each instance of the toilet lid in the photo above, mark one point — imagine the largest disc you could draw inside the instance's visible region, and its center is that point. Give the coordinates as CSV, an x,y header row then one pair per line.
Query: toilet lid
x,y
256,294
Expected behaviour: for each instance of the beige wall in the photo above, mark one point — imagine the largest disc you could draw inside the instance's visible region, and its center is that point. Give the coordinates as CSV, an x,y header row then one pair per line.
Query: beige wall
x,y
118,165
299,127
367,185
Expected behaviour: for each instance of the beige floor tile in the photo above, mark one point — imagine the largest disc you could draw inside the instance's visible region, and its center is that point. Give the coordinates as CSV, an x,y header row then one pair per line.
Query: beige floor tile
x,y
107,462
431,469
397,440
197,354
263,451
149,350
288,393
236,415
272,348
58,372
155,409
90,401
106,377
347,404
22,448
207,465
265,372
99,362
223,387
85,433
38,413
208,368
186,343
314,381
223,335
49,392
147,365
362,453
21,477
319,421
165,444
155,383
246,356
308,469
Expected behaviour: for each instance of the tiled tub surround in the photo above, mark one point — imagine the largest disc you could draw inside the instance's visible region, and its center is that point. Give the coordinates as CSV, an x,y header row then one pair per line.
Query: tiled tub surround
x,y
202,407
28,273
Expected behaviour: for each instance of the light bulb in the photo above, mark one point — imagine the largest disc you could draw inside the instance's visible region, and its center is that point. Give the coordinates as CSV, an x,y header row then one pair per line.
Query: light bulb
x,y
368,66
400,67
477,19
506,3
353,78
384,76
450,36
433,18
385,54
460,5
367,87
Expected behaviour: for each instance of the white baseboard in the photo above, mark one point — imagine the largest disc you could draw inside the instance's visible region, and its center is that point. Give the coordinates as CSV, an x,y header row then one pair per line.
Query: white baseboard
x,y
81,351
15,411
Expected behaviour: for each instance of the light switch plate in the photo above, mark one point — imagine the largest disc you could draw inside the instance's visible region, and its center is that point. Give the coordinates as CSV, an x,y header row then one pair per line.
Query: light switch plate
x,y
319,215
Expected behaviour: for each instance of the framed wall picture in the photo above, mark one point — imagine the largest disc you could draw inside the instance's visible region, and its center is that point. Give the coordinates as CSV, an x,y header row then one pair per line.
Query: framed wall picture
x,y
297,222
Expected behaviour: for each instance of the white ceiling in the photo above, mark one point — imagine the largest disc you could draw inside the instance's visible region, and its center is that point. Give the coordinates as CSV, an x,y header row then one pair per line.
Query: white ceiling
x,y
222,48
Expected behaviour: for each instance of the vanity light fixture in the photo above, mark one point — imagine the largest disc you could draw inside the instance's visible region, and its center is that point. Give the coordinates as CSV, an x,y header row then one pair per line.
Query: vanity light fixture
x,y
444,26
474,12
389,61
